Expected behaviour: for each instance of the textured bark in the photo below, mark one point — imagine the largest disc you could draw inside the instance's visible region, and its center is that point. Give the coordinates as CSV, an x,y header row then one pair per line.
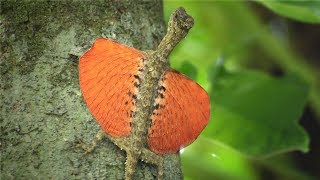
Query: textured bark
x,y
43,115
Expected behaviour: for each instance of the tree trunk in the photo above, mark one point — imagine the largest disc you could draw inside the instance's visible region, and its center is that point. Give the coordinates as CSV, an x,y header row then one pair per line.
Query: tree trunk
x,y
43,115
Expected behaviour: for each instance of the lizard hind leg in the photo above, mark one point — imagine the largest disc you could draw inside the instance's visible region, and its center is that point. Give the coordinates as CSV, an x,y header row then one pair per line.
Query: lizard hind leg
x,y
153,158
130,165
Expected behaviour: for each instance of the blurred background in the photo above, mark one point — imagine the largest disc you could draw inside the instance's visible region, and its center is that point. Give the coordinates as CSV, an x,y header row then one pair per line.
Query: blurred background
x,y
259,61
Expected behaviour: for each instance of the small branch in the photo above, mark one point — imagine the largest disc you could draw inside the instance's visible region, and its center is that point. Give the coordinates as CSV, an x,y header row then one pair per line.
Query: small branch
x,y
179,25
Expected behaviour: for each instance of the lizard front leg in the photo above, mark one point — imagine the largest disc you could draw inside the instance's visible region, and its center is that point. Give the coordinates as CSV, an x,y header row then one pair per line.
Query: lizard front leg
x,y
90,147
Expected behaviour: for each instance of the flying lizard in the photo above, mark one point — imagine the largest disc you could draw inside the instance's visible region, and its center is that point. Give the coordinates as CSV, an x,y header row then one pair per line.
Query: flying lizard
x,y
145,107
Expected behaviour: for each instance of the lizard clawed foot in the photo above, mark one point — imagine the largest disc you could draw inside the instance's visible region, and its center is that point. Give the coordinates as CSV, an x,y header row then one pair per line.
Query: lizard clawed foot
x,y
88,148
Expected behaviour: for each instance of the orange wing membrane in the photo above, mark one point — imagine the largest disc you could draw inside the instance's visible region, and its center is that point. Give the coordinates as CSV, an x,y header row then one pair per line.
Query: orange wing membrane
x,y
181,111
109,77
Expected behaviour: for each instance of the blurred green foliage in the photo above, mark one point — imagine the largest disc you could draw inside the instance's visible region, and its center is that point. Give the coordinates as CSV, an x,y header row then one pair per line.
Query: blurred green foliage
x,y
254,115
303,10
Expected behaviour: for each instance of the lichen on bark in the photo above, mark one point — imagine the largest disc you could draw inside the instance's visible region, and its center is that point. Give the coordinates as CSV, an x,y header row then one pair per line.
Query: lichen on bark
x,y
43,115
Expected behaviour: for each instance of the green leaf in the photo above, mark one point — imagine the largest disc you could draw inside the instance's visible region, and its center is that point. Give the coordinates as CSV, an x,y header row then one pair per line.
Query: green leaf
x,y
305,11
257,114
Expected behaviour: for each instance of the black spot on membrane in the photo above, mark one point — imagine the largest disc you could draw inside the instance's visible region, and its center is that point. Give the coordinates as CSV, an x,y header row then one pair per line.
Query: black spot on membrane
x,y
152,123
136,84
140,69
134,96
156,106
137,77
131,114
162,88
126,103
161,95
